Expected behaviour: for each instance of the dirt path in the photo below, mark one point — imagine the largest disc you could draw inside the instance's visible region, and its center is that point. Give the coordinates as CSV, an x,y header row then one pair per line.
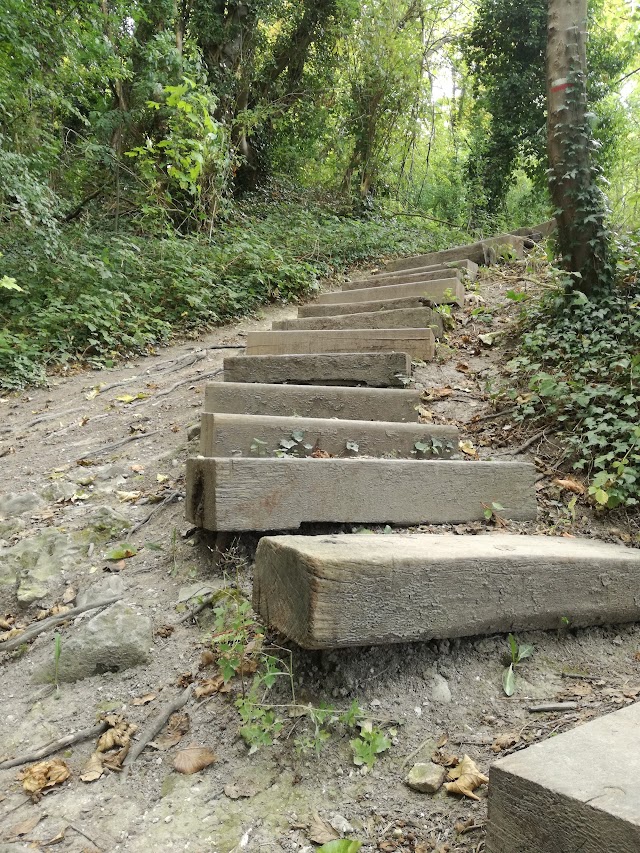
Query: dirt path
x,y
81,468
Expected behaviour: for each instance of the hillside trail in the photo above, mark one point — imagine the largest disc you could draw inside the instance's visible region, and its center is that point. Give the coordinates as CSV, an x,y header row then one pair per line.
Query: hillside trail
x,y
96,460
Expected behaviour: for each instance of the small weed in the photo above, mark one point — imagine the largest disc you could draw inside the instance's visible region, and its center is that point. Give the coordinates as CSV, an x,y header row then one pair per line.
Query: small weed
x,y
369,744
492,512
518,653
258,447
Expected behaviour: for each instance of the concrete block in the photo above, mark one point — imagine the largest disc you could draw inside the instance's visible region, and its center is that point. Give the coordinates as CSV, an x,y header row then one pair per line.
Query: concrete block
x,y
374,369
346,590
438,274
577,792
467,269
235,435
482,252
337,310
418,343
404,318
312,401
445,291
282,494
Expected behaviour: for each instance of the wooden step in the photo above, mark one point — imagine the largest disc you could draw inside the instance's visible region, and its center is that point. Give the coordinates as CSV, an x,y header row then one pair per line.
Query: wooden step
x,y
282,494
345,590
312,401
420,344
336,310
482,252
448,290
404,318
262,435
438,274
577,791
374,369
467,269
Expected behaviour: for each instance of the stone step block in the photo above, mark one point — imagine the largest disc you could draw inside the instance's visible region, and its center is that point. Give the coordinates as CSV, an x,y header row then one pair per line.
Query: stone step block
x,y
577,791
438,274
264,435
312,401
374,369
442,291
466,268
404,318
282,494
315,310
482,252
418,343
346,590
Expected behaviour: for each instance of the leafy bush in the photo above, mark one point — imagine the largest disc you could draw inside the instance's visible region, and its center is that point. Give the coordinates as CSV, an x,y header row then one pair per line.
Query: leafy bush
x,y
100,295
581,362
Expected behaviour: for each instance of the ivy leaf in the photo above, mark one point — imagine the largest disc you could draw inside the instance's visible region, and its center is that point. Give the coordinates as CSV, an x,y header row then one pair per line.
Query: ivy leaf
x,y
342,845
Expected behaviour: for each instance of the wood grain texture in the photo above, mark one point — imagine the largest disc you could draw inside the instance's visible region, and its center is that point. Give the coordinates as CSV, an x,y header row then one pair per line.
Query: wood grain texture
x,y
373,369
476,252
312,401
346,590
404,318
281,494
418,343
234,435
442,291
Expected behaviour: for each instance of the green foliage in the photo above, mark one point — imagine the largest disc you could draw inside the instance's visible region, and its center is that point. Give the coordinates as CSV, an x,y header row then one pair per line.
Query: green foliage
x,y
369,744
518,652
579,361
340,845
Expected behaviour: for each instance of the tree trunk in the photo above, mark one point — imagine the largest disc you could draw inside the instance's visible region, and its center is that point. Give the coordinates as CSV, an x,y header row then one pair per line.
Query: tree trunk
x,y
581,208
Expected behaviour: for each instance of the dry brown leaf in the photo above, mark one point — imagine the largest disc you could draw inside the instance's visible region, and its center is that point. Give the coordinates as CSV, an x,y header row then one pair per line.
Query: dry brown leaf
x,y
115,760
144,700
55,840
248,666
445,759
5,624
462,367
137,469
466,778
207,658
461,825
119,733
193,759
636,657
25,826
44,774
571,486
438,393
69,595
442,740
210,686
93,769
468,449
320,831
179,724
185,679
165,631
321,454
505,741
9,635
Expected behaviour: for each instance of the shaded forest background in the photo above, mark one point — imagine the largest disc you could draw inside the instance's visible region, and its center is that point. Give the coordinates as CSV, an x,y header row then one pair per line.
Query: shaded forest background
x,y
169,165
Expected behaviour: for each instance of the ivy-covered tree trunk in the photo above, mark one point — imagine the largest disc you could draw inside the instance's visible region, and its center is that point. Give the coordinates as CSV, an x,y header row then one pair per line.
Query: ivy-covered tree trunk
x,y
580,204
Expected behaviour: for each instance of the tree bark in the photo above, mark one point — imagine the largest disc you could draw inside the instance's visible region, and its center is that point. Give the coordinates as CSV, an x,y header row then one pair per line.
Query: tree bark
x,y
581,208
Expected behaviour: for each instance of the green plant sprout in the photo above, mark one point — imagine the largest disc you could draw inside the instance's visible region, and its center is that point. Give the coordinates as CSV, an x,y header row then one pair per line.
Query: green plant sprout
x,y
518,653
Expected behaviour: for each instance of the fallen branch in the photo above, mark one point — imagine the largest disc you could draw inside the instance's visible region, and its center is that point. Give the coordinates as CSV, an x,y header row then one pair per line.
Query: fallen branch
x,y
169,499
191,614
493,415
53,621
552,706
154,727
193,380
55,746
99,451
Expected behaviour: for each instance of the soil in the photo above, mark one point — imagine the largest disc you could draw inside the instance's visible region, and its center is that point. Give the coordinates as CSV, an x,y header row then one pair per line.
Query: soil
x,y
119,438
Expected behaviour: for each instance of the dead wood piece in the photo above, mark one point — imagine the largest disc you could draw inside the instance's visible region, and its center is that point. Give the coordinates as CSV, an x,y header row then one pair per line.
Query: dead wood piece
x,y
55,746
492,415
99,451
173,496
53,621
552,706
154,727
190,380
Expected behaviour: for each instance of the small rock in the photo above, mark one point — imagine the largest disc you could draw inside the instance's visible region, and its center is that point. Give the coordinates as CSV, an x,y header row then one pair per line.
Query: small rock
x,y
116,639
20,503
193,432
107,587
59,490
104,519
439,691
341,824
426,778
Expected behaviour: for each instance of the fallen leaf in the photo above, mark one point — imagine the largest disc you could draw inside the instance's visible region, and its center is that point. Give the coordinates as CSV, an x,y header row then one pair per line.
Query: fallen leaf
x,y
94,768
636,657
442,740
118,734
9,635
144,700
162,478
5,624
320,830
126,398
210,686
240,788
321,454
44,774
25,826
179,724
571,486
468,448
487,340
462,366
185,679
193,759
207,658
438,393
505,741
128,497
55,840
445,759
165,631
69,595
465,779
121,552
137,469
